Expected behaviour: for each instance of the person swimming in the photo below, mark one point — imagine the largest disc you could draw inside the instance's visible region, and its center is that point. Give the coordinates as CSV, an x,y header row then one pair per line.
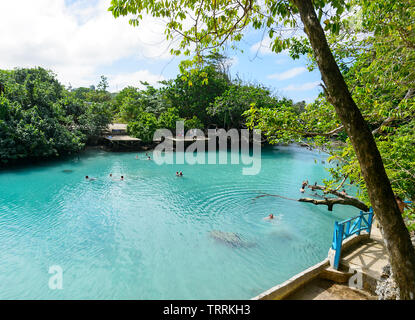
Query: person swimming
x,y
121,179
90,179
181,173
270,217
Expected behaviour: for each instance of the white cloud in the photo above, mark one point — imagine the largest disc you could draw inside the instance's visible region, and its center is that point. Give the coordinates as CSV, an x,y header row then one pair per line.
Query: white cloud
x,y
120,81
288,74
75,40
233,61
262,47
302,87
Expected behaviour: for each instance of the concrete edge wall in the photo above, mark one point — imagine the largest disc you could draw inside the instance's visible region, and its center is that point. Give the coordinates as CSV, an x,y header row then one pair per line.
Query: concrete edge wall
x,y
288,287
284,289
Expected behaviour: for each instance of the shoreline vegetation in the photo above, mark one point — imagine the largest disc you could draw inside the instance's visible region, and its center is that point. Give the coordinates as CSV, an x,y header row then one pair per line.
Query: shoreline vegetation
x,y
41,120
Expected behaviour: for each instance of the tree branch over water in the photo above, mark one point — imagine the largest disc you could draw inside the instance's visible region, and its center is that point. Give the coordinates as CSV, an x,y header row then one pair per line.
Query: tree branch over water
x,y
341,198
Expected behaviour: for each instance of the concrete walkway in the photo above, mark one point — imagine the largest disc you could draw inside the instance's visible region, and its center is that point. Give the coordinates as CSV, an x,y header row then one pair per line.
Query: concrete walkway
x,y
322,289
368,258
361,266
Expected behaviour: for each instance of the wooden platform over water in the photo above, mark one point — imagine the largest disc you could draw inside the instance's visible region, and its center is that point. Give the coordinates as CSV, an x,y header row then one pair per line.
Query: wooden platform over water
x,y
116,135
121,138
187,139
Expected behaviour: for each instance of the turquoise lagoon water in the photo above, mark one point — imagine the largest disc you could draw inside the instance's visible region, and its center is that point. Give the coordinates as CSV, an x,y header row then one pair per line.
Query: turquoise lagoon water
x,y
148,237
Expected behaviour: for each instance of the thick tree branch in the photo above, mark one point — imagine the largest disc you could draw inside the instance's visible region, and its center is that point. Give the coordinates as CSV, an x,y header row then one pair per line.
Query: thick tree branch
x,y
330,202
342,198
326,134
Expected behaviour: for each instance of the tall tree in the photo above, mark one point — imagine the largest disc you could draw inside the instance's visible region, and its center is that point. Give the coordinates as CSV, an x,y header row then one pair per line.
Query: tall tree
x,y
212,23
398,243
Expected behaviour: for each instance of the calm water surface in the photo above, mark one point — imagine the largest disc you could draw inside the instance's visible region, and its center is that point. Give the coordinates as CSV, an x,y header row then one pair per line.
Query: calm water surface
x,y
148,237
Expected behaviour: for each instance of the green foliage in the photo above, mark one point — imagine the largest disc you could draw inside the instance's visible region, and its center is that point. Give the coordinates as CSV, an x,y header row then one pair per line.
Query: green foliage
x,y
229,107
193,93
220,21
103,84
144,127
39,118
126,104
379,70
167,120
204,97
277,124
375,50
193,123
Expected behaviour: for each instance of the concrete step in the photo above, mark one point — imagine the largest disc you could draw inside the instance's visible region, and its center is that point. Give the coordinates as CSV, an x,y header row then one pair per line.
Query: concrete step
x,y
338,276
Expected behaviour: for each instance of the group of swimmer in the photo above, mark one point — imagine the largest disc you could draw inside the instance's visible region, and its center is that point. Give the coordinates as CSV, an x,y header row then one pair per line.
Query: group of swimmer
x,y
178,174
92,178
121,179
147,157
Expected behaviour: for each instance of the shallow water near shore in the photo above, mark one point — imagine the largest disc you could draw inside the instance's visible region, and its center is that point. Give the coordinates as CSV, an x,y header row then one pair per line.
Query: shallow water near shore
x,y
155,235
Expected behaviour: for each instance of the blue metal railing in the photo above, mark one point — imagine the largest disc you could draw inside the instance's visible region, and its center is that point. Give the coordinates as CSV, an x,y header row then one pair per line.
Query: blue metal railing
x,y
347,228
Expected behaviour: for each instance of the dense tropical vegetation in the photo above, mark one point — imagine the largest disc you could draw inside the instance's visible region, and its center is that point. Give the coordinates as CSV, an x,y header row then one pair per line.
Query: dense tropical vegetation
x,y
39,118
202,99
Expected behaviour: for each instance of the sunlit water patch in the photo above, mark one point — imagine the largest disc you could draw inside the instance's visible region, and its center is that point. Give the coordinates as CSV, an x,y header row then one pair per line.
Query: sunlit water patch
x,y
155,235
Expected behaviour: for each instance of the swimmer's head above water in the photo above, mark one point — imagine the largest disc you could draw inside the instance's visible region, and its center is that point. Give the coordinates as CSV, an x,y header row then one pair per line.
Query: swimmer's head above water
x,y
270,217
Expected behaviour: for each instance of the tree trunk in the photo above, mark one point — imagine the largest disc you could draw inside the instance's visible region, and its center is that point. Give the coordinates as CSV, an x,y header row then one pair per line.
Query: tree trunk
x,y
395,233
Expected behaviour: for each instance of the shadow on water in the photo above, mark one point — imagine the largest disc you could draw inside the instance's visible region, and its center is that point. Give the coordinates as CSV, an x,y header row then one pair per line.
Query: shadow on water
x,y
231,239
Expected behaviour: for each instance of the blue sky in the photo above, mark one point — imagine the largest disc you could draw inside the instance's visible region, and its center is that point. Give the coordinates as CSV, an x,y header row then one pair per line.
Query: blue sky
x,y
80,41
